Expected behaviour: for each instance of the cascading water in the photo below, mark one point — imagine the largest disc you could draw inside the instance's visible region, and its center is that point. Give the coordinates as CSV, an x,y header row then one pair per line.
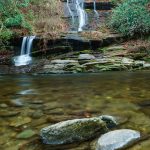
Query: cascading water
x,y
81,14
95,10
71,13
25,58
75,11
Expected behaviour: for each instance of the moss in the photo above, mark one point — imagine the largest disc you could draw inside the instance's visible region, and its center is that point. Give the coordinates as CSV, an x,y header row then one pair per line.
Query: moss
x,y
86,52
74,131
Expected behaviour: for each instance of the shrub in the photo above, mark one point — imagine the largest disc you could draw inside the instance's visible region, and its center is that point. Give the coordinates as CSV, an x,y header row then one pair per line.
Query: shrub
x,y
132,17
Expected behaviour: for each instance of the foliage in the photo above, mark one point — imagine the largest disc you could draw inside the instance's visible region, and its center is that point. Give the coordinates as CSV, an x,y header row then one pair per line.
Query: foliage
x,y
132,17
116,1
12,17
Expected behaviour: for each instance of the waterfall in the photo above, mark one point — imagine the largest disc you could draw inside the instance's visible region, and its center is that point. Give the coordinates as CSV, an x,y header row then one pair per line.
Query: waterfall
x,y
25,58
70,11
95,10
81,14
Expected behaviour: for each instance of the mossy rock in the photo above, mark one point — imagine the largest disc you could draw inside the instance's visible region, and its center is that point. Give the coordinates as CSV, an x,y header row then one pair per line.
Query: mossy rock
x,y
76,130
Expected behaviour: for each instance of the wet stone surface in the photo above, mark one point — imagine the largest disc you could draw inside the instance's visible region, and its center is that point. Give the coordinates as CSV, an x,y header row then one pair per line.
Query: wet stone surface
x,y
77,130
117,139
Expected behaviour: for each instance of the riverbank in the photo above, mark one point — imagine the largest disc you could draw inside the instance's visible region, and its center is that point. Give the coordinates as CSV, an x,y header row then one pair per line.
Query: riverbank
x,y
127,56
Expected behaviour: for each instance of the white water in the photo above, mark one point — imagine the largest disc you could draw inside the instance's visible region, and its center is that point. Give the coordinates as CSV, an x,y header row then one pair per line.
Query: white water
x,y
95,10
25,58
71,13
81,14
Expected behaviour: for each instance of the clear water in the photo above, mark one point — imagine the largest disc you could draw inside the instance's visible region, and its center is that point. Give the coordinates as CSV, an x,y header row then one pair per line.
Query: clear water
x,y
33,102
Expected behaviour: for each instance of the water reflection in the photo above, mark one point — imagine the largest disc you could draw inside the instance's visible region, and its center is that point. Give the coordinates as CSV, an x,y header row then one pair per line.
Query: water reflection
x,y
27,92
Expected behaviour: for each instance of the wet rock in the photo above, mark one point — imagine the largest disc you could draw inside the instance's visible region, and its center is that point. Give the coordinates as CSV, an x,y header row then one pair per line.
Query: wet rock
x,y
19,121
54,66
36,102
76,130
51,106
3,105
109,120
115,48
27,92
117,139
59,61
37,114
16,103
127,61
5,113
26,134
139,63
60,66
36,106
146,65
144,145
86,57
56,111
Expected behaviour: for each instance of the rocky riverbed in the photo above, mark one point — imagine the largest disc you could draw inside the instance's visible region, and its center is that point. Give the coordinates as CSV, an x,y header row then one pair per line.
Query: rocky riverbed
x,y
31,103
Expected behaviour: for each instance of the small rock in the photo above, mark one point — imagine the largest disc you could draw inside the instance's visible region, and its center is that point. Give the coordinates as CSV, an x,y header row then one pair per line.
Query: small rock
x,y
146,65
54,66
19,121
139,63
26,134
76,130
115,48
36,102
37,114
5,113
86,57
3,105
27,92
109,120
127,61
16,103
117,139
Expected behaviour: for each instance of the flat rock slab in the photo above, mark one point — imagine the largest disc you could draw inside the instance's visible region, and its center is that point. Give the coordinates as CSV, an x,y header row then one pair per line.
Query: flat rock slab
x,y
86,57
117,139
59,61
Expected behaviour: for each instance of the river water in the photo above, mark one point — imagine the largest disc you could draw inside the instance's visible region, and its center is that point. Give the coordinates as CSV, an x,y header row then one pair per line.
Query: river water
x,y
31,102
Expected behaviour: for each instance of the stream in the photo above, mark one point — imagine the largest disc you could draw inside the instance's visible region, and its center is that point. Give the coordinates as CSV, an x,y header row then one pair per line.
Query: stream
x,y
31,102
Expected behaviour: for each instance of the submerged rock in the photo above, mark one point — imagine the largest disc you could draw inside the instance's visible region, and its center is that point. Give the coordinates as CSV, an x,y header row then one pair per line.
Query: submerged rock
x,y
117,139
3,105
19,121
5,113
76,130
26,134
16,103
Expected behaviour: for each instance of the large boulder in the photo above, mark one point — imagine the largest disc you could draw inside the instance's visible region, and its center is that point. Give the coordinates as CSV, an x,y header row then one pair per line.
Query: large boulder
x,y
76,130
117,139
